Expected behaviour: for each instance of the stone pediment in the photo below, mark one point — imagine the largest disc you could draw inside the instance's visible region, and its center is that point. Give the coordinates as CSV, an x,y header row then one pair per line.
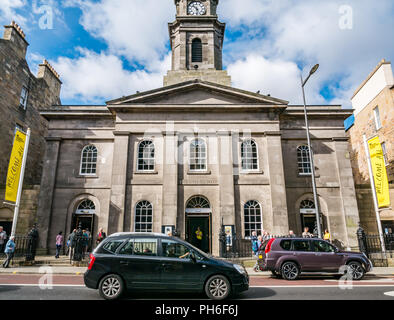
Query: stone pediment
x,y
197,92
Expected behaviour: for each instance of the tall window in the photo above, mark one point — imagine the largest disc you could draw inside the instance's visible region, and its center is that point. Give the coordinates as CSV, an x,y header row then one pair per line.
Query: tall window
x,y
146,156
196,50
252,216
249,155
378,123
198,155
23,98
304,163
89,161
143,217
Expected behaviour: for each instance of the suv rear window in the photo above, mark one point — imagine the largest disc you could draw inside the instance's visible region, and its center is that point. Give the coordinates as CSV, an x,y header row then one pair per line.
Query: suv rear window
x,y
285,244
112,245
302,245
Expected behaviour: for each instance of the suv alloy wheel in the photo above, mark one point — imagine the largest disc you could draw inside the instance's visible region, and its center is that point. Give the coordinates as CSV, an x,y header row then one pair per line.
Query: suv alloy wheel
x,y
290,271
356,270
217,288
111,287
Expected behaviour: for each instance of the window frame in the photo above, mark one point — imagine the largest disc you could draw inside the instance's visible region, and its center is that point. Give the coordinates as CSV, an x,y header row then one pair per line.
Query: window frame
x,y
25,98
257,156
95,163
146,222
198,156
143,159
301,161
378,121
258,232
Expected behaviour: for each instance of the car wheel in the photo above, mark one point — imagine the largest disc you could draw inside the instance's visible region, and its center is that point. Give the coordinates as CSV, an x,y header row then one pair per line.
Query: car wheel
x,y
290,271
356,270
217,288
111,287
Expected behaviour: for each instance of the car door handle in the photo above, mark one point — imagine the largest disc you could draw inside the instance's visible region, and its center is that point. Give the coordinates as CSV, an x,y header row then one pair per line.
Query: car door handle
x,y
125,263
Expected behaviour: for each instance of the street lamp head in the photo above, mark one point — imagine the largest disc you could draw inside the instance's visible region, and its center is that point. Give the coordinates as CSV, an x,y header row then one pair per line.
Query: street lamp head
x,y
314,69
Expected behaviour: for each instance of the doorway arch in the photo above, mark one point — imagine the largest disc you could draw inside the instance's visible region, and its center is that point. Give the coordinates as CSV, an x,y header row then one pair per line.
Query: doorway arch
x,y
199,223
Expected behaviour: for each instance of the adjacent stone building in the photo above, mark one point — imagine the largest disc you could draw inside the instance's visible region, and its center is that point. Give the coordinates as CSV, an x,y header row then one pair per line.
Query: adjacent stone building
x,y
22,96
373,103
196,154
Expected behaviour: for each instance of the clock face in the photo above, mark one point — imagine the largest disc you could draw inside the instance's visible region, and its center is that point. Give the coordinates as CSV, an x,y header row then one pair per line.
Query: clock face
x,y
196,8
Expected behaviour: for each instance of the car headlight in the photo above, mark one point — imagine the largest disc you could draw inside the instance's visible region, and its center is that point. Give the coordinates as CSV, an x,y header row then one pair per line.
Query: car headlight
x,y
240,268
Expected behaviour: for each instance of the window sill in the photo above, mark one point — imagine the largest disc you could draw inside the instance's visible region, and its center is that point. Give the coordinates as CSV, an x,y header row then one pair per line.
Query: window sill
x,y
308,175
145,172
208,172
88,176
251,172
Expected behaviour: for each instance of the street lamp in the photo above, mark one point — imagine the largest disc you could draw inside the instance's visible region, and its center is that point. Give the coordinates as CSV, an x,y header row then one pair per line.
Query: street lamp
x,y
313,70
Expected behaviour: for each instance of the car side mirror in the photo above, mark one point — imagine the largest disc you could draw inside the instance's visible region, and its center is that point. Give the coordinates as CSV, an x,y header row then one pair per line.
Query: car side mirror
x,y
193,257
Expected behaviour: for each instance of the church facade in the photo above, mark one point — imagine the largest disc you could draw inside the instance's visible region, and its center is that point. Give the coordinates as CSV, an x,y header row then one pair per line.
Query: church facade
x,y
196,155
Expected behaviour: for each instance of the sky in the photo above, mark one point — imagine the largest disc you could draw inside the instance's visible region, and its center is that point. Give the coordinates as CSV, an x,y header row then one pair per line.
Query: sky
x,y
106,49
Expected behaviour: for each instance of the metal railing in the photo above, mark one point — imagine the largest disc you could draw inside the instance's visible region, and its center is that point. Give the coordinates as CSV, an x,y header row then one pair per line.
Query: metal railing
x,y
25,248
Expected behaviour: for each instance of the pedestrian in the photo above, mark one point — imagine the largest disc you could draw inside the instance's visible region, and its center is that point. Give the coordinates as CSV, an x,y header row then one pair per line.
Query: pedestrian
x,y
327,236
3,238
70,242
306,233
59,243
255,247
100,236
89,239
291,234
9,251
259,242
85,242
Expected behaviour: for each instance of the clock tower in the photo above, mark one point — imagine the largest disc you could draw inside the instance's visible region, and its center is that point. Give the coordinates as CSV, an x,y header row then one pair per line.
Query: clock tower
x,y
197,42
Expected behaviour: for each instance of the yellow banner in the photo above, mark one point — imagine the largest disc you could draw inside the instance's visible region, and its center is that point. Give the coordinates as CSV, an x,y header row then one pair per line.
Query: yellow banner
x,y
14,168
379,172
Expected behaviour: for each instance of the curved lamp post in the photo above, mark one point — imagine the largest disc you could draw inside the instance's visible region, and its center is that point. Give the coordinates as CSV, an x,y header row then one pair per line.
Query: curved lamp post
x,y
303,83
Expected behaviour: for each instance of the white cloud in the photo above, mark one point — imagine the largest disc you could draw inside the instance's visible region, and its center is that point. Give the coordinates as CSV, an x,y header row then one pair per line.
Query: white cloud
x,y
95,78
8,10
134,29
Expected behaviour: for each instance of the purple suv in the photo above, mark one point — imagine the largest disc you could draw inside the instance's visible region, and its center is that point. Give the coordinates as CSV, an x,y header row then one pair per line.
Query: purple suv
x,y
289,257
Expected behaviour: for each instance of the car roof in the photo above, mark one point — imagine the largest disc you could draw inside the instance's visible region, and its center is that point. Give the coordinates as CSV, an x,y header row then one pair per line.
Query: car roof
x,y
139,234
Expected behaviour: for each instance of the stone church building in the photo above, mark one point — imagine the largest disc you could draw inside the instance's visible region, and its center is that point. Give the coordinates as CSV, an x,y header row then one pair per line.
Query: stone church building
x,y
196,153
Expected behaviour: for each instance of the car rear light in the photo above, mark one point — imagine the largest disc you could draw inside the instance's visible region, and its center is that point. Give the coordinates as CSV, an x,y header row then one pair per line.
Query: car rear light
x,y
92,260
269,244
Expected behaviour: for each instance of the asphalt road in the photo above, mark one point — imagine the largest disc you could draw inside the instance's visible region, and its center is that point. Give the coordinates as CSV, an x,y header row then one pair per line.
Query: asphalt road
x,y
28,287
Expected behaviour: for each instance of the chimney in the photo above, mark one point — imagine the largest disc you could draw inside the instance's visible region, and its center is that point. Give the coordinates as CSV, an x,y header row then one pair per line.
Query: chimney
x,y
15,34
51,77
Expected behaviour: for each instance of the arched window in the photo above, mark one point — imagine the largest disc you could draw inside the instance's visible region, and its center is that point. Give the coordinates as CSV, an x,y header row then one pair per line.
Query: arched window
x,y
146,156
304,163
198,155
249,155
252,218
198,202
86,207
196,50
143,217
89,161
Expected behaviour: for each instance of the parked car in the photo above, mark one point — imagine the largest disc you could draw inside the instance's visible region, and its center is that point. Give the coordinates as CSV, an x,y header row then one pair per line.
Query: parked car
x,y
150,261
290,257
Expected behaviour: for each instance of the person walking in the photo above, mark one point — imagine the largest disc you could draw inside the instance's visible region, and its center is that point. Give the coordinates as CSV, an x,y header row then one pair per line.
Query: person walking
x,y
9,251
327,236
3,238
255,246
306,233
100,236
85,242
59,243
70,242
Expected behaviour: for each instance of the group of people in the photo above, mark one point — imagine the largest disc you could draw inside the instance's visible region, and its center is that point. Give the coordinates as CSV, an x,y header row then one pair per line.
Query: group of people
x,y
71,241
257,241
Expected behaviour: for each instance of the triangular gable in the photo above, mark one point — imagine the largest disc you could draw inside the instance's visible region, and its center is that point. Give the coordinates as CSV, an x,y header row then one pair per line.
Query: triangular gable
x,y
197,92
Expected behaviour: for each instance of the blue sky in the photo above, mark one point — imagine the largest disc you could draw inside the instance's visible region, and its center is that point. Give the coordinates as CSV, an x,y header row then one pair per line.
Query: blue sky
x,y
104,49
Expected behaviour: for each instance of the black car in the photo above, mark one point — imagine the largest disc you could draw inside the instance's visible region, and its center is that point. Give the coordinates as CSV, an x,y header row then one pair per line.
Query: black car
x,y
150,261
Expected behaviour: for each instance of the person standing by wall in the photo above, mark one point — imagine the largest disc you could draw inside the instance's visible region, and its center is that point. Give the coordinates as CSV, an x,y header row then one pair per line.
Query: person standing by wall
x,y
3,238
59,243
255,247
9,251
327,236
100,236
